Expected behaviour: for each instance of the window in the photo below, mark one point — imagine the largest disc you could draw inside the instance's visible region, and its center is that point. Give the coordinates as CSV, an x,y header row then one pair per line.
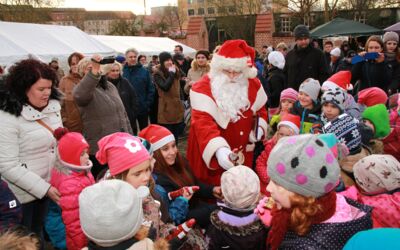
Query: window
x,y
231,9
309,20
360,17
285,24
200,11
221,9
191,12
210,10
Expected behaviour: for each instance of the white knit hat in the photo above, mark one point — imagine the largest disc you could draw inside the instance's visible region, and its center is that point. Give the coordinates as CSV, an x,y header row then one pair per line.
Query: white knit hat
x,y
111,211
335,52
277,59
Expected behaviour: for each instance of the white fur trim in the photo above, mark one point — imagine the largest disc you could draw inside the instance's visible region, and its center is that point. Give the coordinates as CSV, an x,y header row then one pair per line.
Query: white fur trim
x,y
290,125
212,146
202,102
264,125
328,85
261,100
252,72
76,167
236,64
159,144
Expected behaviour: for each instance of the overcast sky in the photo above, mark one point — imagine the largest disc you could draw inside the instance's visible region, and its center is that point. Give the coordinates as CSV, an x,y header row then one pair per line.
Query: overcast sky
x,y
136,6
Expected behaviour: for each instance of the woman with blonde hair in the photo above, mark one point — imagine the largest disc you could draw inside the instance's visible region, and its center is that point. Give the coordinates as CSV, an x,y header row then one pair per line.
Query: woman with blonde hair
x,y
200,67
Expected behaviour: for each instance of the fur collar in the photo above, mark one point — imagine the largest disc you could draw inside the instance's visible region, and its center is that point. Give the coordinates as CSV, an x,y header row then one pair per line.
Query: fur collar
x,y
248,229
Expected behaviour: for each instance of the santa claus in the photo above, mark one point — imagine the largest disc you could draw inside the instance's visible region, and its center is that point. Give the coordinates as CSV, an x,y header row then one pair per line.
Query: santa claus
x,y
228,113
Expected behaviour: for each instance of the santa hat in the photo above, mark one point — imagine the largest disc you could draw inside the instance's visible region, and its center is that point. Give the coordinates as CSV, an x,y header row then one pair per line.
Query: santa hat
x,y
121,151
292,121
340,79
277,59
372,96
70,148
289,94
235,55
157,135
335,52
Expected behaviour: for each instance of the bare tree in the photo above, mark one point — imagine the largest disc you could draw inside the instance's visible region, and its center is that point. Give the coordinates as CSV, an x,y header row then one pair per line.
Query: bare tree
x,y
123,27
330,9
36,11
300,8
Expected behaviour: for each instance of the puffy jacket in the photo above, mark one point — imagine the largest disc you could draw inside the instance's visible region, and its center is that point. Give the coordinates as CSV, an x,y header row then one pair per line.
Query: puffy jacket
x,y
308,116
391,143
261,164
276,82
70,186
69,110
140,79
27,150
55,227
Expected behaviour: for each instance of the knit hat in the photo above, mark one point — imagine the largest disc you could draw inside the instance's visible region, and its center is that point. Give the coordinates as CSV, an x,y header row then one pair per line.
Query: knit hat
x,y
164,56
377,173
120,59
311,87
204,53
111,211
121,151
390,36
235,55
292,121
304,164
335,52
157,135
379,116
301,31
340,79
335,96
289,94
70,148
277,59
372,96
345,128
241,188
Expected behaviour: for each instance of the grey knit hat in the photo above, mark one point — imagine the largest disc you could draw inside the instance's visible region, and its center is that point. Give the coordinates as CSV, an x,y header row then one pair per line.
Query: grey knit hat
x,y
304,164
301,31
390,36
335,96
311,87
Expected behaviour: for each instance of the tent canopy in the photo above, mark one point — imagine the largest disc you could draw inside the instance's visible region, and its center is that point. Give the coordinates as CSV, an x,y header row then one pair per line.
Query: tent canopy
x,y
145,45
395,27
43,42
343,27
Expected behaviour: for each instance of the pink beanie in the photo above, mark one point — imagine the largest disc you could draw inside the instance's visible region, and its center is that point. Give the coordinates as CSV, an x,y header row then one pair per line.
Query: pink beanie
x,y
289,94
121,151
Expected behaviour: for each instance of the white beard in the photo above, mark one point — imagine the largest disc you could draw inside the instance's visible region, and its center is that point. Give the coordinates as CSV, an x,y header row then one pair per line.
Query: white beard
x,y
230,95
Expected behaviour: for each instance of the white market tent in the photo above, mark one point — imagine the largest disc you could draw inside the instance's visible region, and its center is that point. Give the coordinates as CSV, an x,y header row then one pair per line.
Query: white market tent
x,y
41,41
145,45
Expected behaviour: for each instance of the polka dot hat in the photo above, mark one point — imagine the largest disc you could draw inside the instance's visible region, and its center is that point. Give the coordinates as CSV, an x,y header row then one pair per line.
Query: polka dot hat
x,y
304,164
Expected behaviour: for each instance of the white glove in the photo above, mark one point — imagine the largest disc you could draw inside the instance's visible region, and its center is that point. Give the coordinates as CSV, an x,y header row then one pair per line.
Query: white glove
x,y
222,155
172,69
253,138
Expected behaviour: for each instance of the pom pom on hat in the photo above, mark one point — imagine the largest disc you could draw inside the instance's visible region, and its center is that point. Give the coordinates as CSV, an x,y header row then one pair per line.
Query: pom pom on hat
x,y
292,121
121,151
340,79
372,96
379,117
157,135
276,59
289,94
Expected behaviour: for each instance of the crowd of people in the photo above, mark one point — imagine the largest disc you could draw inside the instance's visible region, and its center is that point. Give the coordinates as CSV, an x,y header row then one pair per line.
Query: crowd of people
x,y
287,149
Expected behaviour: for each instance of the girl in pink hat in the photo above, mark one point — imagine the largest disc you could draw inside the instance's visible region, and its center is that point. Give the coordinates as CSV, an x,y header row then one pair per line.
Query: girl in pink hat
x,y
287,99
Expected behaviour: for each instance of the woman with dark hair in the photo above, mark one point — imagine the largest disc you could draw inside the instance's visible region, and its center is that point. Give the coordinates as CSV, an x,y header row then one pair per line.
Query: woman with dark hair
x,y
142,59
170,108
29,112
100,105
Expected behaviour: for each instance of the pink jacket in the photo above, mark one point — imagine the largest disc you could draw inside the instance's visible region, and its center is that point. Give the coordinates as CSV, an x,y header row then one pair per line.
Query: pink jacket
x,y
70,186
392,141
261,165
386,207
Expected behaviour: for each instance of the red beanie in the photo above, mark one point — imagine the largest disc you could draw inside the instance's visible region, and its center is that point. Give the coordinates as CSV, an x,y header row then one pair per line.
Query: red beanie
x,y
372,96
70,148
292,121
121,151
157,135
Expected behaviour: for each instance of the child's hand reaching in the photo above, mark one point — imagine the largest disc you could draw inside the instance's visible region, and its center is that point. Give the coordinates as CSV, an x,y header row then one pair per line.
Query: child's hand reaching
x,y
263,211
188,195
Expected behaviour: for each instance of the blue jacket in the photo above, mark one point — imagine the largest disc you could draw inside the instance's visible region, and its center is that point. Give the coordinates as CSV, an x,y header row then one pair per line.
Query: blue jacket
x,y
177,209
140,79
55,227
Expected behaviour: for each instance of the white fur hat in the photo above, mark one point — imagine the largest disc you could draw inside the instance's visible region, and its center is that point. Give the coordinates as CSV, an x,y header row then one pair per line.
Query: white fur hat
x,y
277,59
335,52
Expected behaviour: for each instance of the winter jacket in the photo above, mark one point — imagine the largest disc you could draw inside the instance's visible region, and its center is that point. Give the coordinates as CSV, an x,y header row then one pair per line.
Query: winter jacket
x,y
140,79
334,67
102,110
391,143
70,185
386,207
131,244
128,97
69,110
346,165
305,63
261,164
351,107
236,230
307,116
276,82
372,74
344,64
55,227
395,80
195,73
331,235
27,149
10,208
170,107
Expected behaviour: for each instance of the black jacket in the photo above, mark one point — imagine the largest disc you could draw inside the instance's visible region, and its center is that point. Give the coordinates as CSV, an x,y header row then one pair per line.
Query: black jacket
x,y
276,82
344,65
305,63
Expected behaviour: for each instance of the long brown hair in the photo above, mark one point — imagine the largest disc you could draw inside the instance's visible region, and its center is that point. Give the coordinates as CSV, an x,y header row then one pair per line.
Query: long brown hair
x,y
179,173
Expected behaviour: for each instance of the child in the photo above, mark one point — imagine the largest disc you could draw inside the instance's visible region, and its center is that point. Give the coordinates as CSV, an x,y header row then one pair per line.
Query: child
x,y
370,97
288,126
308,106
70,176
111,217
286,102
377,119
307,213
172,172
276,80
392,141
234,225
377,178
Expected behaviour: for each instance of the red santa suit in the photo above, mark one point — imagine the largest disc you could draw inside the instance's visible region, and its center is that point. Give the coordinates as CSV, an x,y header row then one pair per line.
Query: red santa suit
x,y
211,129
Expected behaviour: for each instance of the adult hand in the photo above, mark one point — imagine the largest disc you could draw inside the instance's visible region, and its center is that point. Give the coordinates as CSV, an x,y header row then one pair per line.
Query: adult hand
x,y
217,192
222,155
96,64
53,194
